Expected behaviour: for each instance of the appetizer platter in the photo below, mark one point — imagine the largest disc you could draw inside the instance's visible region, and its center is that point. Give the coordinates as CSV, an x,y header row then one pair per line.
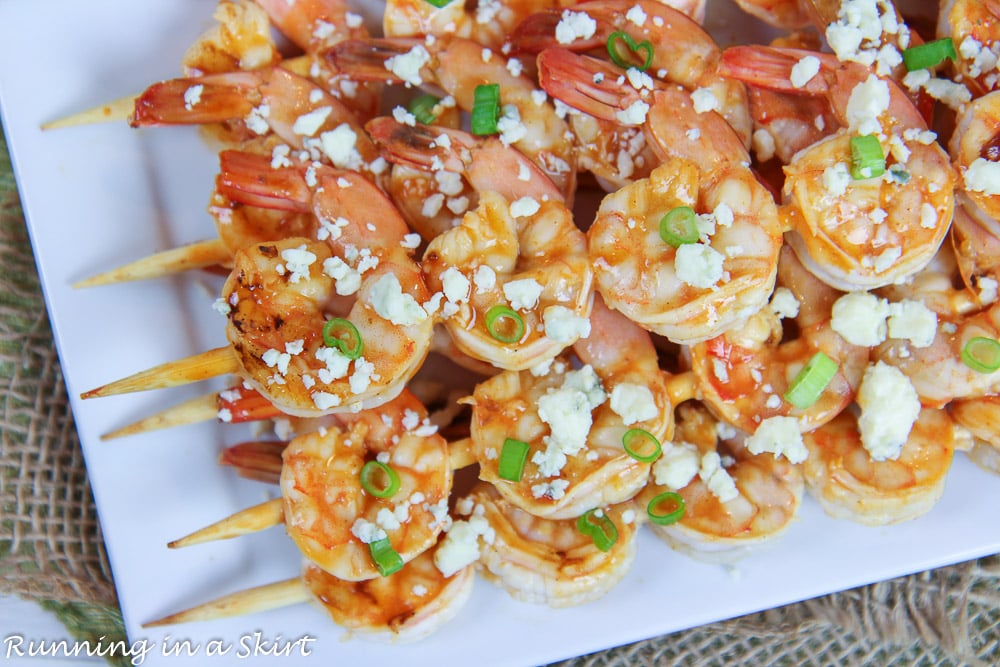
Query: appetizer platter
x,y
100,195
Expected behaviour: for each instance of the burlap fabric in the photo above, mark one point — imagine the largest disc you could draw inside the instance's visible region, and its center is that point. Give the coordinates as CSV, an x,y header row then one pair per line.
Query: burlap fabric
x,y
52,552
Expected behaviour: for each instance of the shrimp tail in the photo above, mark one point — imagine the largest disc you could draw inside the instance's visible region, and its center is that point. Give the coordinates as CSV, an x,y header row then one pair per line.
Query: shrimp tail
x,y
366,59
258,460
249,601
416,146
538,32
769,67
254,519
194,101
201,366
249,179
571,78
199,409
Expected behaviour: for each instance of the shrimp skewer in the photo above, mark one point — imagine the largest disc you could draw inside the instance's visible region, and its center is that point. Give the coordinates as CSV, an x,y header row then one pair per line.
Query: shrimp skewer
x,y
279,294
408,606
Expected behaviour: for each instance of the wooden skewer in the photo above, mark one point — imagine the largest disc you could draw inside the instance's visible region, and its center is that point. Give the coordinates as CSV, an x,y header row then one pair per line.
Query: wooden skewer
x,y
194,256
251,520
199,409
250,601
201,366
115,110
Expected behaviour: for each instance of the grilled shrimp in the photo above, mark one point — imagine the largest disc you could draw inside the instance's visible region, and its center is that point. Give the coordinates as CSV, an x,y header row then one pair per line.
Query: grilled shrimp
x,y
574,421
848,484
867,232
516,279
333,518
549,561
745,373
734,501
355,269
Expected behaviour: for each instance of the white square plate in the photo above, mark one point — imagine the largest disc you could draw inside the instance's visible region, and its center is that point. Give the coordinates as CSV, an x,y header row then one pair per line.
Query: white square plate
x,y
100,195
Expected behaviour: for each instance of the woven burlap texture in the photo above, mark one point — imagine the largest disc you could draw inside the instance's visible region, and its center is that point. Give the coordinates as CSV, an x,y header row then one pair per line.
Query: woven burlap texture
x,y
51,549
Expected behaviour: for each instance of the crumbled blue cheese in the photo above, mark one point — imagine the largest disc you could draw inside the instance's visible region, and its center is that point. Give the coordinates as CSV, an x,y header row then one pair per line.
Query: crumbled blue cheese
x,y
784,304
391,303
716,478
364,373
634,114
860,318
335,363
836,179
553,489
522,294
563,325
340,145
780,436
308,124
256,120
485,279
220,306
524,207
567,411
403,117
193,95
407,65
460,546
297,262
573,26
983,176
704,100
677,466
456,286
804,70
867,102
509,125
913,321
633,403
889,407
698,265
367,532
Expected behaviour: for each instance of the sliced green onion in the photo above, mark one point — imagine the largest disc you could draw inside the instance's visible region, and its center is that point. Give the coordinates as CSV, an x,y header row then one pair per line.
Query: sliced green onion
x,y
344,336
512,458
641,445
596,525
678,226
930,54
504,324
811,381
438,3
982,354
386,559
379,480
486,109
666,508
623,57
867,158
422,108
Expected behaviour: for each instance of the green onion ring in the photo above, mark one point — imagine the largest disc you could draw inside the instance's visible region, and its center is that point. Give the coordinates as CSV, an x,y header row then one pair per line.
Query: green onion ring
x,y
981,354
386,559
601,529
343,335
675,506
635,438
512,459
497,316
368,482
637,48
